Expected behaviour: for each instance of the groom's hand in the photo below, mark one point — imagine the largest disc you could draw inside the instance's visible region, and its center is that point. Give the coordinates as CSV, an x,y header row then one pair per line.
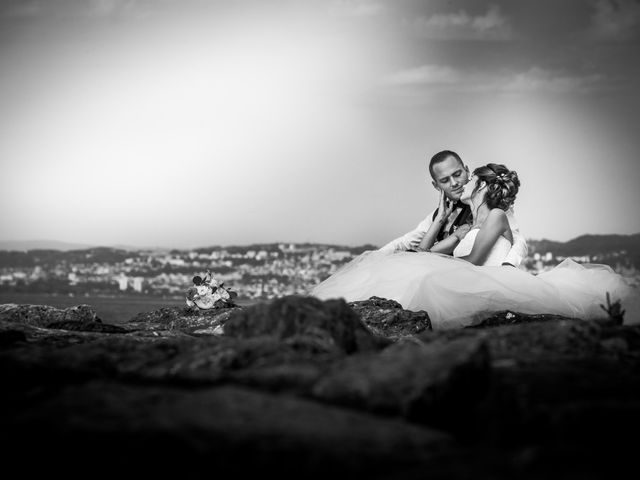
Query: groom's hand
x,y
445,207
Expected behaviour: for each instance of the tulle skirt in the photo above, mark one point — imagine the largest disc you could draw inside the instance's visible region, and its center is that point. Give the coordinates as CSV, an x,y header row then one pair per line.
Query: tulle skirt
x,y
456,293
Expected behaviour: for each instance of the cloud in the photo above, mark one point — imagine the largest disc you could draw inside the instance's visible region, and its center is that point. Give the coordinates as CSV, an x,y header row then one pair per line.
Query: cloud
x,y
538,79
615,20
424,75
355,8
111,7
533,80
492,25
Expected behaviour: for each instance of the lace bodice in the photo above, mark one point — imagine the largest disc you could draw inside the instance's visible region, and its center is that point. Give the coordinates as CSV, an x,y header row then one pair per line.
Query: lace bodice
x,y
496,255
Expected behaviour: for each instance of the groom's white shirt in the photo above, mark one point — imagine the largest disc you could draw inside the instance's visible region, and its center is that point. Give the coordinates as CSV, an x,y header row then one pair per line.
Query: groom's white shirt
x,y
412,239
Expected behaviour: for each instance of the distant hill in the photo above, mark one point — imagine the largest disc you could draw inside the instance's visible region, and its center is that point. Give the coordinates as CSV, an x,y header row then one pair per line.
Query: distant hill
x,y
24,245
50,257
588,245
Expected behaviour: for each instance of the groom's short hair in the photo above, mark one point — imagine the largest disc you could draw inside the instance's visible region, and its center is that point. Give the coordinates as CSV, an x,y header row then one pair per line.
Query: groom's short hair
x,y
441,157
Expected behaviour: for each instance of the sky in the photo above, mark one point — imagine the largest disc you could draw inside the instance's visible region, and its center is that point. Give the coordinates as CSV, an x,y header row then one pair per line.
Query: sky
x,y
188,123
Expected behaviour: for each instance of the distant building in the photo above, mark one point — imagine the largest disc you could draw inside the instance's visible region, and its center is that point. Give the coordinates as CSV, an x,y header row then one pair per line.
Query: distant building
x,y
123,282
136,283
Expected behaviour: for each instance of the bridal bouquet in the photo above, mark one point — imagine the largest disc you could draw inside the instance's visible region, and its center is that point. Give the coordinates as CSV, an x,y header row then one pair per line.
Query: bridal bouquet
x,y
207,293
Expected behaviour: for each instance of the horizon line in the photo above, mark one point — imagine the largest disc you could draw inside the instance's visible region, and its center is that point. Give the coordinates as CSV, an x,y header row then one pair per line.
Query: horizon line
x,y
83,246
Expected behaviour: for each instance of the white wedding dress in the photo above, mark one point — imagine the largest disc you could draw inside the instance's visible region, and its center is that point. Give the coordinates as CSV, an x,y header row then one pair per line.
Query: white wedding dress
x,y
455,293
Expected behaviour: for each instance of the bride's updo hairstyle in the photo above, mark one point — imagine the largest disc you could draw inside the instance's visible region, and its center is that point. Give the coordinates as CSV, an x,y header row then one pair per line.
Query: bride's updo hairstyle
x,y
502,185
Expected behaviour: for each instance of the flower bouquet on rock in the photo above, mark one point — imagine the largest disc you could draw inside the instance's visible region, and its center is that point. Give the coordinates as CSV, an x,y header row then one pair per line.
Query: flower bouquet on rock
x,y
206,293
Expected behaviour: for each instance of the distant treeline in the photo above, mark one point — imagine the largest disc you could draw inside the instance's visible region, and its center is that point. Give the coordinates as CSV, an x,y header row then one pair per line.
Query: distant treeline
x,y
32,258
111,256
275,247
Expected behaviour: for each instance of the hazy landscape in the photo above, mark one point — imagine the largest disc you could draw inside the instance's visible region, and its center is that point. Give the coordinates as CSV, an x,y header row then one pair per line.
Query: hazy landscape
x,y
120,282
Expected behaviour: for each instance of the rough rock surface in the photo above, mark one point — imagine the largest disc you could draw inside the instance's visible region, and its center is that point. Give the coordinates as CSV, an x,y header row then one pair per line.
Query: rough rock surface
x,y
43,315
188,320
388,318
301,388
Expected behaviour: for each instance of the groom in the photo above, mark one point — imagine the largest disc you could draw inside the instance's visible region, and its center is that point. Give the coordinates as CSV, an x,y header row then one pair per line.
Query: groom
x,y
450,174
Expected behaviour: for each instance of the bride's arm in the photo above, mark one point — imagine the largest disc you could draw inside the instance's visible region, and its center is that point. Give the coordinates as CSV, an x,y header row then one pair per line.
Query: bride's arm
x,y
430,237
445,207
494,226
446,245
449,244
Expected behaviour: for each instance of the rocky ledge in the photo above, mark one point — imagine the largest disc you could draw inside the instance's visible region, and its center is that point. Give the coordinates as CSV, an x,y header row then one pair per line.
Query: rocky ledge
x,y
301,388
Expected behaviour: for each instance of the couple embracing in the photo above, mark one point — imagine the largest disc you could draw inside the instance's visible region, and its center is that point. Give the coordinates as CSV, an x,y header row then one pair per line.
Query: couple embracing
x,y
458,263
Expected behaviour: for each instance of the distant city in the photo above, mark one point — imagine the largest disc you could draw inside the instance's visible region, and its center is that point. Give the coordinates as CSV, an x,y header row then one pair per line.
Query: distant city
x,y
259,271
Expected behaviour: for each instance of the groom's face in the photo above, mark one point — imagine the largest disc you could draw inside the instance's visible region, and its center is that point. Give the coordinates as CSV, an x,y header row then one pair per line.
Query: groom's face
x,y
451,176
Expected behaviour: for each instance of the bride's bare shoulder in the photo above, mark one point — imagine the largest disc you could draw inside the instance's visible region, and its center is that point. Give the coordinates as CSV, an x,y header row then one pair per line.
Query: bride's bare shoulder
x,y
499,219
497,213
498,216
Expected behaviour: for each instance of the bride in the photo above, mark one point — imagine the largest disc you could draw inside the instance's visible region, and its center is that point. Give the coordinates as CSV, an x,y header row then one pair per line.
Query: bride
x,y
471,285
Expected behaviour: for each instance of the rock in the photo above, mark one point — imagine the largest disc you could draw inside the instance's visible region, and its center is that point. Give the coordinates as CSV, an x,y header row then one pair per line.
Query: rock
x,y
387,318
543,374
81,318
377,302
330,323
531,335
49,338
217,330
437,383
157,430
558,336
82,356
9,337
86,326
266,361
42,315
184,319
297,387
244,360
507,317
297,377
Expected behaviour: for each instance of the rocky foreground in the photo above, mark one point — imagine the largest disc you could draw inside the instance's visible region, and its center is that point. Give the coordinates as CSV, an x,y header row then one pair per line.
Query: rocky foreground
x,y
300,388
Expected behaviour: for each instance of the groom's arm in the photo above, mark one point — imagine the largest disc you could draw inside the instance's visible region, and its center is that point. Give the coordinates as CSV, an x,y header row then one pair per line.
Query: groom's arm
x,y
410,240
519,249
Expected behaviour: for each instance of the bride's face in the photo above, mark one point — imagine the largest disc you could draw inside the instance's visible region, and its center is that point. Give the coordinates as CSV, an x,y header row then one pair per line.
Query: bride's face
x,y
467,191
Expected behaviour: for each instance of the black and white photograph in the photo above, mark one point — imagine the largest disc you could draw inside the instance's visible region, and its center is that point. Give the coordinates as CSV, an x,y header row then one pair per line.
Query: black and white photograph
x,y
380,239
